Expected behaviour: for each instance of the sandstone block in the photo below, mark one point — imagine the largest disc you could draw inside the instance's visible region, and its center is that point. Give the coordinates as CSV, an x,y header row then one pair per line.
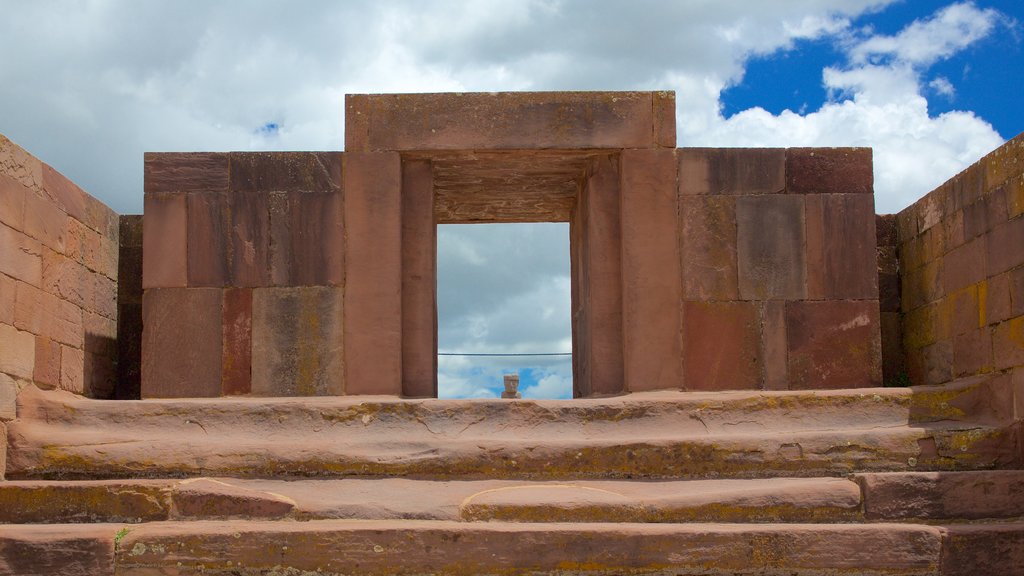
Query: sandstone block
x,y
886,230
1015,196
164,240
972,352
732,171
833,344
419,284
964,266
19,165
8,289
944,495
12,202
842,258
72,370
920,287
20,256
829,171
207,499
935,363
64,193
1000,254
237,341
894,361
65,278
185,172
721,346
129,351
68,550
8,404
45,222
985,213
181,343
85,501
75,240
995,296
770,241
46,315
129,275
1008,344
285,171
207,239
46,373
508,120
104,296
1017,291
298,341
774,345
17,352
953,230
307,239
963,310
100,375
708,228
906,225
250,239
983,549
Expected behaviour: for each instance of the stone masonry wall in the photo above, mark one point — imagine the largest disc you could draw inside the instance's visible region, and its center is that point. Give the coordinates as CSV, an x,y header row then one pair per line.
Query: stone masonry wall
x,y
243,274
779,282
962,267
58,282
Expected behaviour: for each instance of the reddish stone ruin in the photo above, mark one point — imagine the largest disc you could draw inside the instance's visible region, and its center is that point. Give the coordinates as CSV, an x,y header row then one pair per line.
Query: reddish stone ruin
x,y
770,378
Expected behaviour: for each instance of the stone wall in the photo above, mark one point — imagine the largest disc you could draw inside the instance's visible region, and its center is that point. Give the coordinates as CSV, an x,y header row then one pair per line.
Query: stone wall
x,y
962,266
58,282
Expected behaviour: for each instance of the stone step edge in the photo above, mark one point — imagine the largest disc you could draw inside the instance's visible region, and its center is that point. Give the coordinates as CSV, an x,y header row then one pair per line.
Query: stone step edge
x,y
863,497
443,547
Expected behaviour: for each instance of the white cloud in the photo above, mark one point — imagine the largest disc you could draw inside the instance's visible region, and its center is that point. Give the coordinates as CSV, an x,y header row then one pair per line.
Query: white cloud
x,y
942,86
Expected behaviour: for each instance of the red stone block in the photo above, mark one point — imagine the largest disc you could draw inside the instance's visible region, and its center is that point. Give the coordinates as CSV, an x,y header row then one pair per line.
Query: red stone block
x,y
651,290
9,389
886,232
937,362
45,222
972,353
1017,291
207,239
65,278
721,346
8,287
100,335
237,330
774,345
46,315
20,256
829,171
1015,196
732,171
72,370
709,268
317,239
107,257
996,298
104,296
930,210
17,352
964,311
100,376
972,550
964,266
285,171
906,225
181,343
419,281
64,193
280,239
46,373
75,239
20,165
985,213
373,273
1003,246
1008,344
770,234
842,259
164,240
250,239
833,344
508,120
894,361
185,172
12,202
297,342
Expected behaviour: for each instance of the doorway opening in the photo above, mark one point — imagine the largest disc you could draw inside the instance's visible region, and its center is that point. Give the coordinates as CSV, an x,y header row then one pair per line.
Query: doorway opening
x,y
503,307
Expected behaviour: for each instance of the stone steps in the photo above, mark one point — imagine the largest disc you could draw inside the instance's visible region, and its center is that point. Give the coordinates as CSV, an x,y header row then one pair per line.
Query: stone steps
x,y
327,547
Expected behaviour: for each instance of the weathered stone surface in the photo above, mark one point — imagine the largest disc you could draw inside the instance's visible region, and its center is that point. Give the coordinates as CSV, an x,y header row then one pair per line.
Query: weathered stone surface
x,y
209,499
185,172
250,240
46,502
165,241
12,202
739,171
774,345
3,453
996,299
829,171
47,363
972,352
1017,291
237,330
66,279
297,341
19,165
82,550
999,256
8,395
833,344
721,346
64,193
285,171
508,120
72,370
651,290
373,273
964,266
17,352
943,495
46,315
985,214
841,247
317,238
181,343
708,228
207,239
8,292
770,241
45,222
20,256
1008,344
419,282
984,549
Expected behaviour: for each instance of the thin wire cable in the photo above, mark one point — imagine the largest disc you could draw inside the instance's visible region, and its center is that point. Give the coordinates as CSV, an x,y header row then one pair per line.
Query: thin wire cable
x,y
503,355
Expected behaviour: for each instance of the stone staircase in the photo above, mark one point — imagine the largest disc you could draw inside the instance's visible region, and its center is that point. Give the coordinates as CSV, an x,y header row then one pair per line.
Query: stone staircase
x,y
871,481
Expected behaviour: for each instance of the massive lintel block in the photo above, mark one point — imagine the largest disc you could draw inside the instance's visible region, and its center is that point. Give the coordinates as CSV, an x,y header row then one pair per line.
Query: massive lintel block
x,y
509,120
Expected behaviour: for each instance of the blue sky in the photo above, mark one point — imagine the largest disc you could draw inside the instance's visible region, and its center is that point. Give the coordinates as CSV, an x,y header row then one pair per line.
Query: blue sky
x,y
89,86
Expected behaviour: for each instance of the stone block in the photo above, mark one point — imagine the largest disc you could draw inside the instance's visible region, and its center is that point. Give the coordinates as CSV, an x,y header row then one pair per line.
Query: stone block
x,y
8,404
935,363
886,230
130,233
894,361
1008,344
8,290
18,164
921,286
129,275
419,281
164,241
975,495
129,351
63,193
298,342
733,171
962,308
104,296
178,172
1002,246
1015,196
708,229
181,343
237,330
280,239
250,239
829,171
994,295
906,225
17,352
930,210
833,344
45,222
969,550
46,315
20,256
68,549
842,259
317,238
774,345
985,213
72,370
285,171
651,290
65,278
964,266
373,273
953,230
100,335
207,239
75,240
100,376
721,346
1017,291
972,352
46,373
12,202
508,120
770,246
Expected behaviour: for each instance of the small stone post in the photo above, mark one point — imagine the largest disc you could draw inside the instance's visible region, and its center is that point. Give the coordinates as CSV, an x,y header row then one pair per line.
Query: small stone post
x,y
511,386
